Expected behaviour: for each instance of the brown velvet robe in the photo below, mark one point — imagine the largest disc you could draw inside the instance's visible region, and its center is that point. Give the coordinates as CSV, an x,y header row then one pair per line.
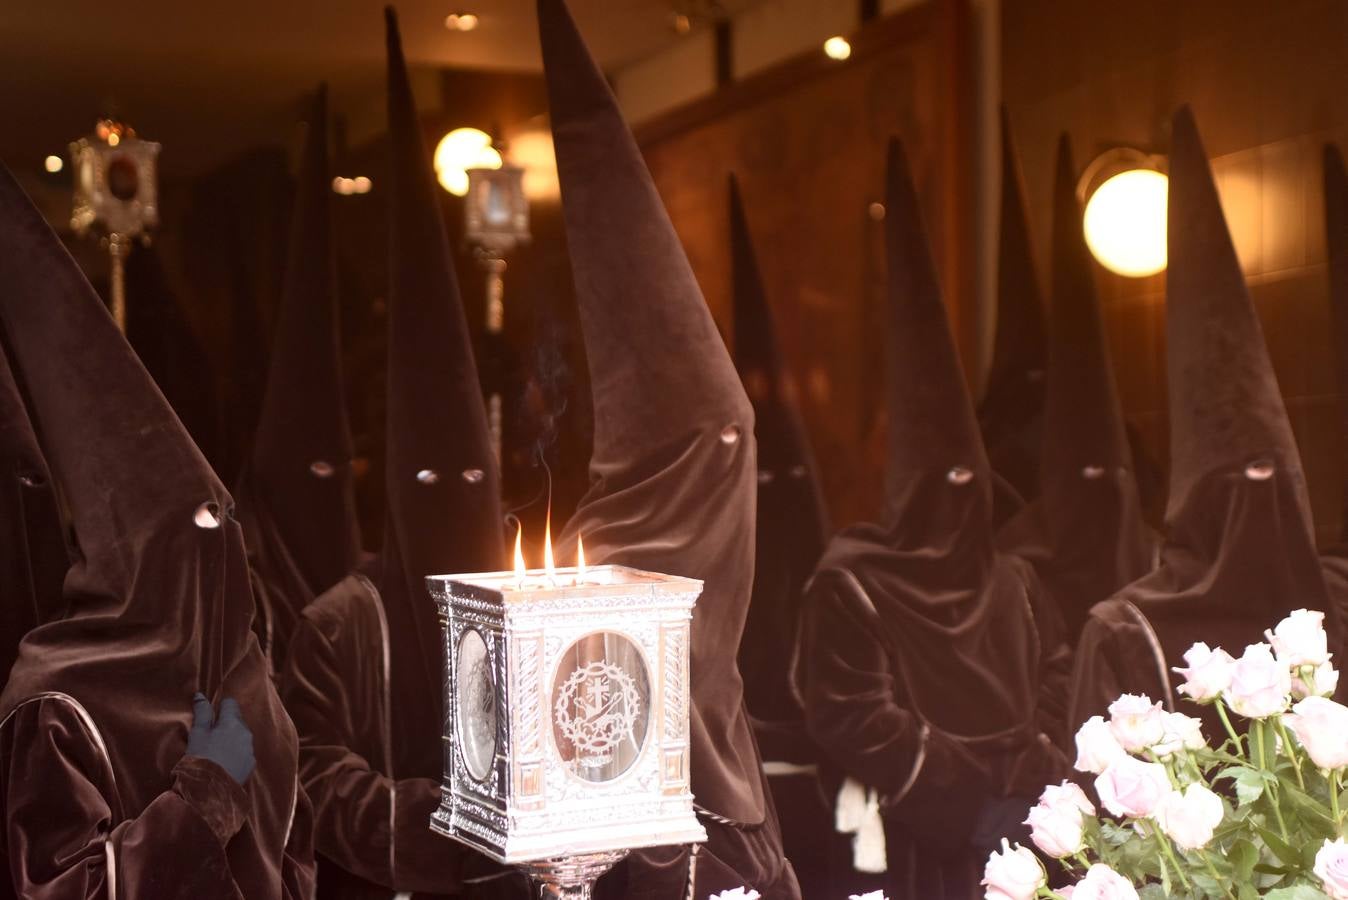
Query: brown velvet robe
x,y
1334,557
921,658
97,794
1240,550
673,470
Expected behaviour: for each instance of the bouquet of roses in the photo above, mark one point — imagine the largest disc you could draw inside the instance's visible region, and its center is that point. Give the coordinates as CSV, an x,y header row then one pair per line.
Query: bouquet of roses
x,y
1260,815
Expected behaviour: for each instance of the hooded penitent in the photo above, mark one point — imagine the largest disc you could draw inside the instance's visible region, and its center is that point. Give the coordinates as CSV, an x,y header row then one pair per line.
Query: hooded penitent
x,y
363,676
791,528
919,654
1085,534
1240,550
1013,400
1335,557
673,467
295,496
156,606
33,557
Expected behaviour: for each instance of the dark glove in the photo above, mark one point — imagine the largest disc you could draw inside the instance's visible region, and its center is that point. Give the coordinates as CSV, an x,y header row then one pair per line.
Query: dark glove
x,y
942,809
226,741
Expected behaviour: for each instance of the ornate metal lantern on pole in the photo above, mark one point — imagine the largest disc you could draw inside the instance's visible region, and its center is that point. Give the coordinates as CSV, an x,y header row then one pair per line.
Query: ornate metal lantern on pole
x,y
566,718
116,193
496,220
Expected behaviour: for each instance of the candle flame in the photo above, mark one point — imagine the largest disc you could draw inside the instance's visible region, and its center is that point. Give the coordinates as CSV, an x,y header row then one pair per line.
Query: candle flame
x,y
580,558
548,565
519,555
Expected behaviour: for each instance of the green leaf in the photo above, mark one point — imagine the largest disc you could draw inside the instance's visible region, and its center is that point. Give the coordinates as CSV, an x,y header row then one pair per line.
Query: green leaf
x,y
1249,785
1247,891
1296,892
1155,892
1243,857
1280,848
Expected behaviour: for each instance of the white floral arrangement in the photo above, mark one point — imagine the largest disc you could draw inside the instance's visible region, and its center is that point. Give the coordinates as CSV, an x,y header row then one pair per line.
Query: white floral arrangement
x,y
1260,815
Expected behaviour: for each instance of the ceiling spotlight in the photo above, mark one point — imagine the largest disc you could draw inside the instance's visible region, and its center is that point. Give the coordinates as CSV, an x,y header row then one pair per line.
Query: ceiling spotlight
x,y
460,150
361,185
461,21
1125,218
837,47
54,164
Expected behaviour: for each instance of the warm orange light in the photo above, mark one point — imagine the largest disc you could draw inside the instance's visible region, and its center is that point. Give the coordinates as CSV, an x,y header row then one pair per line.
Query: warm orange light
x,y
548,566
519,555
580,558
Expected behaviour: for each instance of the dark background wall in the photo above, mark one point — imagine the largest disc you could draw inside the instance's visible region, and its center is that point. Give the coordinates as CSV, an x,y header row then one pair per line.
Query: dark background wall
x,y
1268,83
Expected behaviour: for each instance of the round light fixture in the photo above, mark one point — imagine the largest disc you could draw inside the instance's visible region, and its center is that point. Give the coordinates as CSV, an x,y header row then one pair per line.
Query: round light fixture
x,y
837,47
460,150
1124,221
461,21
54,164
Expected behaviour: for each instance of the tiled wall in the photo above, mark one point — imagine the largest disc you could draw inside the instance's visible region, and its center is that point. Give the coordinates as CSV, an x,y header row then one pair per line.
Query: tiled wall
x,y
1268,82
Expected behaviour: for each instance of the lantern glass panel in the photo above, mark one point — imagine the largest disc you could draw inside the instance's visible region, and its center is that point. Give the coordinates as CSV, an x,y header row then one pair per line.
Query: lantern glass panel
x,y
476,701
601,701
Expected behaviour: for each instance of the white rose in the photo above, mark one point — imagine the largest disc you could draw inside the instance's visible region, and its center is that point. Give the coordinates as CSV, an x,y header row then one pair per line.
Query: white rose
x,y
1300,639
873,895
1190,818
1131,787
1181,733
1136,722
1260,684
1012,874
738,893
1096,746
1057,822
1331,867
1208,673
1067,795
1322,727
1325,680
1101,883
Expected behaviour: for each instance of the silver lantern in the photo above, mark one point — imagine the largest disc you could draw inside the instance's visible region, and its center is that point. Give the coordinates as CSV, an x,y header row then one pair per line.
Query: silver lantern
x,y
566,718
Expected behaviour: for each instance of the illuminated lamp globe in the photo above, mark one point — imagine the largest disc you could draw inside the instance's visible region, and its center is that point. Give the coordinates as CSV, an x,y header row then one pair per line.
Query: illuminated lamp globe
x,y
460,150
1125,223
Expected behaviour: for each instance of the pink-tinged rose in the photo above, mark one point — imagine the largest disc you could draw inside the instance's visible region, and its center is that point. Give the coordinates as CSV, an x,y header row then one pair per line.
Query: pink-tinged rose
x,y
1181,733
1096,746
1136,722
1067,795
1012,874
1323,681
1101,883
1208,673
1331,867
1190,818
1131,787
1300,639
1056,830
1260,684
1322,727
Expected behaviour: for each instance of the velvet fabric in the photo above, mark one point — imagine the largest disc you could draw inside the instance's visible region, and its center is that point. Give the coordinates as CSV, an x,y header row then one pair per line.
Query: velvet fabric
x,y
1085,534
673,468
364,681
1240,552
1334,557
296,499
921,657
790,534
155,607
1013,400
33,554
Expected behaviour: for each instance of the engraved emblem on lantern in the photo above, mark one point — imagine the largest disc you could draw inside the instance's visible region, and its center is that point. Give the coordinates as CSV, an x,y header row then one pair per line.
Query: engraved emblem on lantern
x,y
567,698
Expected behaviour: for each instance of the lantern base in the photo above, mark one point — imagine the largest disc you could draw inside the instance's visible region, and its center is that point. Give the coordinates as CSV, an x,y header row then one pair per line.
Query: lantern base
x,y
570,877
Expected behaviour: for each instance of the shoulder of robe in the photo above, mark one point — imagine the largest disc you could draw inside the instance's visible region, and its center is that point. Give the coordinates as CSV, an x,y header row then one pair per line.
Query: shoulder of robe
x,y
54,720
350,605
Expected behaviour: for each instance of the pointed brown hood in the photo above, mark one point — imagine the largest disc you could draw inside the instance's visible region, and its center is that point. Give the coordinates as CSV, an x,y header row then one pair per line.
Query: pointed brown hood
x,y
1240,550
1336,233
33,557
791,528
1096,536
441,477
673,465
296,496
157,604
1013,400
933,434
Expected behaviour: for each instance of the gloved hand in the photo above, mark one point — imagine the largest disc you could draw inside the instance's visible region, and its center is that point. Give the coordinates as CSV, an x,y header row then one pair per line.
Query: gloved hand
x,y
225,741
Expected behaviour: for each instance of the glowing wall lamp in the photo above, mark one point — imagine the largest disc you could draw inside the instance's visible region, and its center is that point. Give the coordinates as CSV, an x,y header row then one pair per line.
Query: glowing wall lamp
x,y
460,150
1125,220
